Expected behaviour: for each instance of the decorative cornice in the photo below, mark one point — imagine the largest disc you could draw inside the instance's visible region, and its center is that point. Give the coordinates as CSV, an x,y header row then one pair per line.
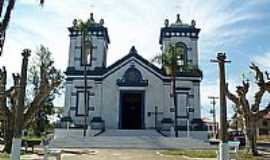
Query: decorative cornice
x,y
179,29
101,73
98,31
168,32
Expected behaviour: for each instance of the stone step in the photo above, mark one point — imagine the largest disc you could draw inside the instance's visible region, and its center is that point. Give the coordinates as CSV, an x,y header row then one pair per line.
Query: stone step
x,y
143,142
73,133
130,133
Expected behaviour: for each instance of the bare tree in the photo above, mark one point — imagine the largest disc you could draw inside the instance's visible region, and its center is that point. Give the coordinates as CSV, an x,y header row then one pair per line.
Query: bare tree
x,y
50,80
251,112
6,7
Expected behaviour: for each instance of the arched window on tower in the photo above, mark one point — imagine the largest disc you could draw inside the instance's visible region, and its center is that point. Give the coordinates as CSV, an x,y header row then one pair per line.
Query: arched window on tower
x,y
87,48
182,58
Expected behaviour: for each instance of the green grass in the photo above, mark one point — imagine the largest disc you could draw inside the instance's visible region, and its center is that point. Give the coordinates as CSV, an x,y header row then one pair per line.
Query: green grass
x,y
209,154
263,138
245,156
4,156
33,138
191,153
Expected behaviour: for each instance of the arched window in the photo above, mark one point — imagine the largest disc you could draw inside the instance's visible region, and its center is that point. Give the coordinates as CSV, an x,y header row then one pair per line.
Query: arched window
x,y
132,77
182,59
86,51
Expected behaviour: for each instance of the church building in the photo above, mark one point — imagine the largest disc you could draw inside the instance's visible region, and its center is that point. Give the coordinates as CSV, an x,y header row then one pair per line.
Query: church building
x,y
131,93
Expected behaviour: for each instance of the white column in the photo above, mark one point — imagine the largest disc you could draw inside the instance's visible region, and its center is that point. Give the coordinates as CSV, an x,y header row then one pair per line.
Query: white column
x,y
167,101
195,53
71,51
98,99
67,97
196,99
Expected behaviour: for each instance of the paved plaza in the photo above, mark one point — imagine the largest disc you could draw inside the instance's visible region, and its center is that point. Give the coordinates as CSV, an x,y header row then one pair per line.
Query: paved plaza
x,y
112,154
124,154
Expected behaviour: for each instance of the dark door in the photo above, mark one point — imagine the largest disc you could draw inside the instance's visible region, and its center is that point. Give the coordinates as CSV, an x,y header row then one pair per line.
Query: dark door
x,y
131,117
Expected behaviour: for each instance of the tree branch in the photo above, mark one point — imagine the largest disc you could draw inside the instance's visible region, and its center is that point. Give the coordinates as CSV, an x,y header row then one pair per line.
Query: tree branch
x,y
263,112
240,100
34,107
267,84
267,75
259,74
6,19
258,98
231,96
1,7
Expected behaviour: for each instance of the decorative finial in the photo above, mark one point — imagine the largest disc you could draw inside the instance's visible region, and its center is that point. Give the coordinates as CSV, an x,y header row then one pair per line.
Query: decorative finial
x,y
75,23
91,15
133,50
166,22
178,20
92,20
193,23
101,22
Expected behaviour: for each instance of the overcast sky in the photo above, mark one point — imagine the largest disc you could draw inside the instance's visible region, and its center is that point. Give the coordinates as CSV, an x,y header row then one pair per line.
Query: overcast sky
x,y
240,28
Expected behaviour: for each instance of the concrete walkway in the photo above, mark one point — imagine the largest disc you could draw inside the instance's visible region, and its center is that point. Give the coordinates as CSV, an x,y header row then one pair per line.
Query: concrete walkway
x,y
113,154
125,154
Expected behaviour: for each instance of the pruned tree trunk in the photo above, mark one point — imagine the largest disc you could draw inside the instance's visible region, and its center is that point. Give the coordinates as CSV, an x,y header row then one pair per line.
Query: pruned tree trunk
x,y
8,138
253,112
49,84
250,134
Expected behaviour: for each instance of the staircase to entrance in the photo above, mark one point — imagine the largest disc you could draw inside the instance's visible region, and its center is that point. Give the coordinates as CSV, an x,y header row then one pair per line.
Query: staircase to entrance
x,y
115,138
131,133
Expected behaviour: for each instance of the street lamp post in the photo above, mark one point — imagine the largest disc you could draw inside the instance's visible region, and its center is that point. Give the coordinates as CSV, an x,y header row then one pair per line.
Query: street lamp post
x,y
87,52
85,84
179,62
85,101
223,146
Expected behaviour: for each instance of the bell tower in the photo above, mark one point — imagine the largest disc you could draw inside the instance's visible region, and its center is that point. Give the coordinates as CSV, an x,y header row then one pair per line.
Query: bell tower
x,y
88,44
182,35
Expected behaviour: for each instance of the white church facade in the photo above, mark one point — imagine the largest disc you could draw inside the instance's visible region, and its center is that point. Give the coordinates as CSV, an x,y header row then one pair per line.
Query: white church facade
x,y
132,93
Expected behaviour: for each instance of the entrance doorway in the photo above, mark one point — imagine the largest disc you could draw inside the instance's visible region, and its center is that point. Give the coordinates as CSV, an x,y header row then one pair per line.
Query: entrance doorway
x,y
131,110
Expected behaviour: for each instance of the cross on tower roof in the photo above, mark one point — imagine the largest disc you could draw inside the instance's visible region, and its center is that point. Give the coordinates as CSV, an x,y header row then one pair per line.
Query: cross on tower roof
x,y
178,20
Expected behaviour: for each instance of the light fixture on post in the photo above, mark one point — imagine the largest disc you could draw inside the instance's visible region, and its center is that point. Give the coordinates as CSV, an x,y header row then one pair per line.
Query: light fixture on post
x,y
180,59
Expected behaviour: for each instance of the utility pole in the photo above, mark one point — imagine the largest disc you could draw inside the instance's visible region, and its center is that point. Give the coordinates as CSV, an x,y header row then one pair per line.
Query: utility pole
x,y
223,146
17,140
213,111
